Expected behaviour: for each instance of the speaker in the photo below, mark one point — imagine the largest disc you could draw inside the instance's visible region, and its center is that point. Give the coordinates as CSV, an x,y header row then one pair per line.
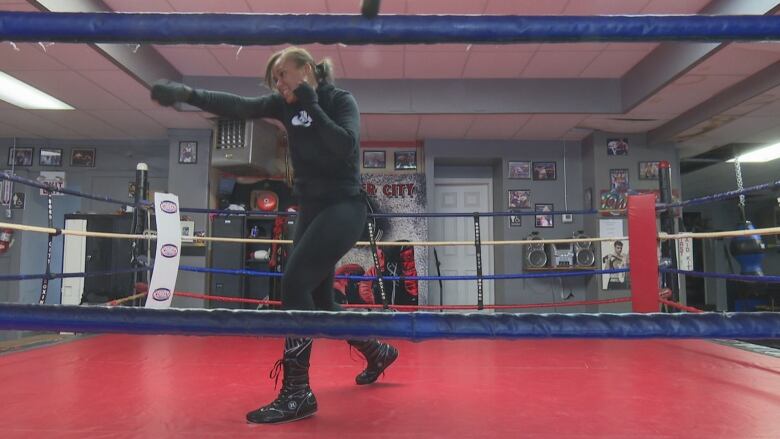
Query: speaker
x,y
535,254
584,254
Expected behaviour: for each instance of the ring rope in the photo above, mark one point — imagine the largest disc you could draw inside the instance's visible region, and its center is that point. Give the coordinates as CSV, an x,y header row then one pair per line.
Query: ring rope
x,y
724,234
735,277
414,326
557,274
275,29
720,196
392,306
37,229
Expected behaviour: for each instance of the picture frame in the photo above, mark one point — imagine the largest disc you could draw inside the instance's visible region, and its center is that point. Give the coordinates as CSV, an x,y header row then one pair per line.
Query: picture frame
x,y
20,156
187,231
50,157
545,171
618,180
373,159
517,170
188,152
544,221
519,199
515,221
405,160
648,170
617,146
82,157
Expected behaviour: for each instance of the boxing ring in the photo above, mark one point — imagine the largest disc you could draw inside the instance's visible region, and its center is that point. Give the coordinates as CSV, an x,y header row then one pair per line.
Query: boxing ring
x,y
138,372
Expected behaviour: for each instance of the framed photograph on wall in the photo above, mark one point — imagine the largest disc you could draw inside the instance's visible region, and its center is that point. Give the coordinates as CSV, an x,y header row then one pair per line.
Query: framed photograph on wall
x,y
82,157
188,152
405,160
542,220
617,146
648,170
515,221
374,159
519,170
50,157
618,180
519,199
544,171
20,156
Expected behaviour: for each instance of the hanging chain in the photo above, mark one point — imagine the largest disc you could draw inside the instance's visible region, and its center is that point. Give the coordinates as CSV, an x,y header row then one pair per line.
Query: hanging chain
x,y
740,185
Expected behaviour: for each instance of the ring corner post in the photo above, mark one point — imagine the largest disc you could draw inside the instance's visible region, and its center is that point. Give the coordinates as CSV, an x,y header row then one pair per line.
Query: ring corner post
x,y
643,268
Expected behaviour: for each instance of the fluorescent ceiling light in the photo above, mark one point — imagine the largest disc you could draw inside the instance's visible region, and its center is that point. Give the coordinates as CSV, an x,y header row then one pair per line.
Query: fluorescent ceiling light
x,y
22,95
761,155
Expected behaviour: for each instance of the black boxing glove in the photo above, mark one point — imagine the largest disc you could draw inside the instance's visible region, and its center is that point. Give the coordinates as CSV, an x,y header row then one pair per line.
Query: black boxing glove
x,y
306,94
167,92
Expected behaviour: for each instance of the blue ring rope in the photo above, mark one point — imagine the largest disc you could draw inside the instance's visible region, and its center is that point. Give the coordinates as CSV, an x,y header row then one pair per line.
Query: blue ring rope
x,y
26,181
720,196
361,278
414,326
14,277
736,277
271,29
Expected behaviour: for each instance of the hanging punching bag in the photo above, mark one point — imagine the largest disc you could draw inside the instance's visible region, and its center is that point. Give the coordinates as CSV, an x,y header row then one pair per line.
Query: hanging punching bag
x,y
748,251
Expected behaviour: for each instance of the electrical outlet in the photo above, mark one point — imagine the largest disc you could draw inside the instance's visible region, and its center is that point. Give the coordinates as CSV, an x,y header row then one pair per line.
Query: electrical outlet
x,y
567,218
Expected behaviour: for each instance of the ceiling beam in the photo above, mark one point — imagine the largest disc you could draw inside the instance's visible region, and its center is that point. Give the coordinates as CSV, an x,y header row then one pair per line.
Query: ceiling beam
x,y
142,62
671,60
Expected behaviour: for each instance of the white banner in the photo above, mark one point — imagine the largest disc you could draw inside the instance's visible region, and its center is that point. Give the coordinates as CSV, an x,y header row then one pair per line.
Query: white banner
x,y
6,191
166,261
55,179
684,254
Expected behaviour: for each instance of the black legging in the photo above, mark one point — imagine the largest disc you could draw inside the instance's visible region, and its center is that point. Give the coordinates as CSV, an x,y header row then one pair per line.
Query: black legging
x,y
324,232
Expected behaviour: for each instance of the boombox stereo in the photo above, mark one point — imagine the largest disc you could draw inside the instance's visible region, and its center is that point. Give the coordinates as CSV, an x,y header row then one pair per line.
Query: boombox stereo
x,y
584,254
535,254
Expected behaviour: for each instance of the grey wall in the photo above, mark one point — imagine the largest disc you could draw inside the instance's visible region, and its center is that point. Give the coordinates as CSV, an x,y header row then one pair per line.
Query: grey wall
x,y
489,159
596,176
114,169
191,183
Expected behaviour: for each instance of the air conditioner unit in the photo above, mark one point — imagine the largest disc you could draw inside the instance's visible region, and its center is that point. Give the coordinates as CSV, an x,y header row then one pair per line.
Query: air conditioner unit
x,y
253,147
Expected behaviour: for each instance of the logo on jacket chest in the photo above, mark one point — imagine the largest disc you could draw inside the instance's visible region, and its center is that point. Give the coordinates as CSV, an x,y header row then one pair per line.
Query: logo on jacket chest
x,y
302,119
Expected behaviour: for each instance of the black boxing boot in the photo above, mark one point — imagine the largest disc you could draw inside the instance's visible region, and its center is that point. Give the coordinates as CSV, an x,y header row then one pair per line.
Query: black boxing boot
x,y
379,356
167,93
295,400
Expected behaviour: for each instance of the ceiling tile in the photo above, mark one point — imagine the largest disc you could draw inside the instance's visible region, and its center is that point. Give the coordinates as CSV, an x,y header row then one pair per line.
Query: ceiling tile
x,y
372,64
80,57
496,64
675,6
612,64
605,7
743,59
242,61
445,7
26,56
558,64
123,87
443,126
496,126
136,123
392,126
433,64
136,6
73,89
293,6
549,126
209,5
192,61
83,123
525,7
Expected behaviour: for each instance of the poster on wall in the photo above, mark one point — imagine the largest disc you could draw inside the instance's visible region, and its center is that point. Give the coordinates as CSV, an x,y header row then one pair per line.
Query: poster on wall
x,y
614,254
394,193
54,179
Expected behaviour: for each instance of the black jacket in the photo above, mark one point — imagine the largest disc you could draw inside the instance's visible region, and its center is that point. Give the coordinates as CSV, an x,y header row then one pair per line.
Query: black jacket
x,y
323,130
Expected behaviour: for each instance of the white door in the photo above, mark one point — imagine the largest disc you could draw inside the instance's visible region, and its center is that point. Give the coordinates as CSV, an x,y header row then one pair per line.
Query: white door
x,y
462,195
